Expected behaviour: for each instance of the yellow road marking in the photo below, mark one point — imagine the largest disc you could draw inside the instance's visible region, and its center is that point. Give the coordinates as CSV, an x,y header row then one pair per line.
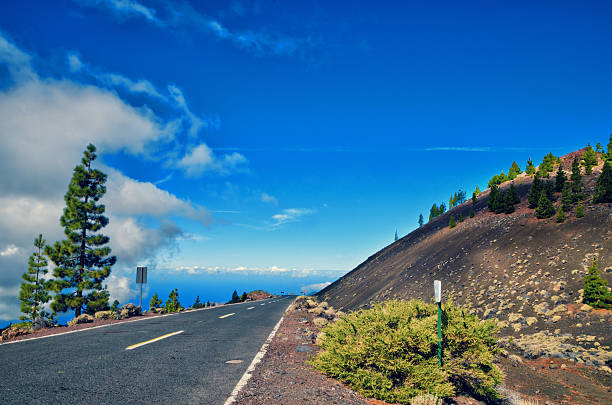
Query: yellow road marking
x,y
153,340
225,316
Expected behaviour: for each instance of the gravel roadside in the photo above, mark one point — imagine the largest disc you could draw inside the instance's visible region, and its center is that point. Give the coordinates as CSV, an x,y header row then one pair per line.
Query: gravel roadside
x,y
284,377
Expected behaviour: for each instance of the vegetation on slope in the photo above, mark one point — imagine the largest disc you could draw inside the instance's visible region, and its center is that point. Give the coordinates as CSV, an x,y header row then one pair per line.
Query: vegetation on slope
x,y
389,352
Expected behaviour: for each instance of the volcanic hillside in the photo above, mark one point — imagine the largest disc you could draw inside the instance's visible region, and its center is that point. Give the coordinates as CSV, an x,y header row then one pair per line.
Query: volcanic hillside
x,y
525,272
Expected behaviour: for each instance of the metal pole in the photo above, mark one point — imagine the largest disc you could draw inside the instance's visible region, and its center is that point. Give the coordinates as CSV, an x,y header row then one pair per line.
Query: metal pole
x,y
440,334
140,302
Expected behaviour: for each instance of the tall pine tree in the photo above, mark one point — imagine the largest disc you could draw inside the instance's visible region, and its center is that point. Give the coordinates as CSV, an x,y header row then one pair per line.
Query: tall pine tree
x,y
535,191
173,304
566,198
603,186
560,179
589,159
514,171
34,292
83,260
545,208
420,220
451,222
576,178
530,168
596,292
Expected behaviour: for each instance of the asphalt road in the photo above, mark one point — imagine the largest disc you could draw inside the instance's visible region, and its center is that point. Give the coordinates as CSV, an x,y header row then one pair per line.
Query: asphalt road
x,y
94,367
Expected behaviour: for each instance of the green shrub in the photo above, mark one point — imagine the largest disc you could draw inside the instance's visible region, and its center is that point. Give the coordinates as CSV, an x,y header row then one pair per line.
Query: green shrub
x,y
173,304
156,302
389,352
596,292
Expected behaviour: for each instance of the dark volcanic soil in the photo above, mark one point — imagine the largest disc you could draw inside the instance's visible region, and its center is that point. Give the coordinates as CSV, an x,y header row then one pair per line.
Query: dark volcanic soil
x,y
285,377
525,272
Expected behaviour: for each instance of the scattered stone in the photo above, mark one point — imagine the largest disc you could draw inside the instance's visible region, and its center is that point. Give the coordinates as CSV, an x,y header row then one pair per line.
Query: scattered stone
x,y
40,323
531,320
105,315
83,318
129,310
586,308
556,318
513,317
317,311
13,332
303,348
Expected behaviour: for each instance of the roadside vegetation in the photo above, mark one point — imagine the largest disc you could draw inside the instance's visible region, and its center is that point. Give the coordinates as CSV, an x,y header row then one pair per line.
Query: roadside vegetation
x,y
81,262
389,352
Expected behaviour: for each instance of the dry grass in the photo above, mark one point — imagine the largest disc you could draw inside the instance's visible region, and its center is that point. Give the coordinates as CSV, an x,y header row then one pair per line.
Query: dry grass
x,y
426,400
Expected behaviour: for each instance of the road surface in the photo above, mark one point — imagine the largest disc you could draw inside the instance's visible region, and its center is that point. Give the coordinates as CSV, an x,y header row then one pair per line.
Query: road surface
x,y
123,363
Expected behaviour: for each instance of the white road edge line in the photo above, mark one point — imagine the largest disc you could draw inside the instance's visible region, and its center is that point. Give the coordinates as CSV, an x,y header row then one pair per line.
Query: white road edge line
x,y
247,374
226,315
153,340
250,308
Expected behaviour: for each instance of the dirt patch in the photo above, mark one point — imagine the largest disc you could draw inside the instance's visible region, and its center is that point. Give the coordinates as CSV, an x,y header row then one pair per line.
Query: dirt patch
x,y
284,375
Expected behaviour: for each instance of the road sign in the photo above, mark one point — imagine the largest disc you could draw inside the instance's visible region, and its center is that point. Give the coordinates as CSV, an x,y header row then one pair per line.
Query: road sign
x,y
141,275
141,278
438,290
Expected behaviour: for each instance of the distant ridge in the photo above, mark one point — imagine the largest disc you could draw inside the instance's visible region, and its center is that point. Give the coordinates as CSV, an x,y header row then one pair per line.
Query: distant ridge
x,y
507,266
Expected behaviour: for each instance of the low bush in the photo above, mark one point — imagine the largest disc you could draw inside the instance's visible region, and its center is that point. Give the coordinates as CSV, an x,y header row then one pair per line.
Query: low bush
x,y
389,352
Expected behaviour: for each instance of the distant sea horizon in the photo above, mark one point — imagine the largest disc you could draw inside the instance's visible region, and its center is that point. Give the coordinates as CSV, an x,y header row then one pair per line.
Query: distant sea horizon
x,y
217,288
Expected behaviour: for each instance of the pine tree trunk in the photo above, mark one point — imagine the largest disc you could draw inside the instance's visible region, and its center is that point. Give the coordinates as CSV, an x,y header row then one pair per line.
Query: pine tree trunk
x,y
81,270
36,288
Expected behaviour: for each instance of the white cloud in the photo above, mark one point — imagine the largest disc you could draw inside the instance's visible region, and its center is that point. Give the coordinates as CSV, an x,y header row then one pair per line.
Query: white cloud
x,y
120,288
201,159
74,62
267,198
17,61
132,241
133,86
132,197
9,307
291,215
314,287
45,125
259,271
459,148
174,99
182,14
10,250
125,8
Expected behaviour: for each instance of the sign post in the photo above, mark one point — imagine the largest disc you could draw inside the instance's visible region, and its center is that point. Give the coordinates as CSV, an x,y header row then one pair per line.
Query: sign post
x,y
141,278
438,296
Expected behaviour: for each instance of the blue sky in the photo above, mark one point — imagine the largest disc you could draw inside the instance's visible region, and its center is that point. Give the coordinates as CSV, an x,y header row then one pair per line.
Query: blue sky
x,y
280,143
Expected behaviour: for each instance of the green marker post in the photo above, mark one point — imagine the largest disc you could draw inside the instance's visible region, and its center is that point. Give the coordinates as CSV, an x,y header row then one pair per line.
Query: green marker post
x,y
438,296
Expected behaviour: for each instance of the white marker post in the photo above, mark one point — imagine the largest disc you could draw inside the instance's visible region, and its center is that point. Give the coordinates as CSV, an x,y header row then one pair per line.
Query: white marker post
x,y
438,297
141,278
